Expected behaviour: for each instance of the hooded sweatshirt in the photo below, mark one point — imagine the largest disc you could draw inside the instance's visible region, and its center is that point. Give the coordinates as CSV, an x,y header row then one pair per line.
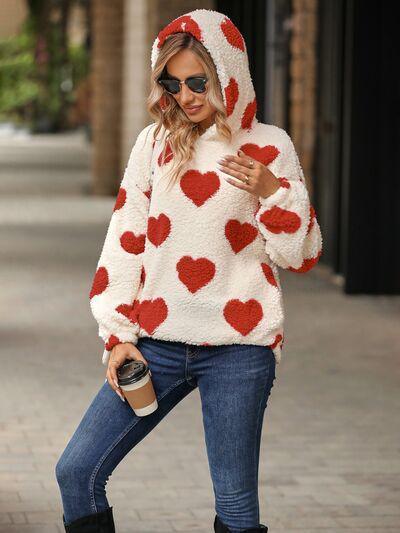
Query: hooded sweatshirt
x,y
199,263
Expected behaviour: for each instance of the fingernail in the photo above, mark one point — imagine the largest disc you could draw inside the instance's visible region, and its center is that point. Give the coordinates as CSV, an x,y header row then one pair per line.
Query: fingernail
x,y
116,383
120,395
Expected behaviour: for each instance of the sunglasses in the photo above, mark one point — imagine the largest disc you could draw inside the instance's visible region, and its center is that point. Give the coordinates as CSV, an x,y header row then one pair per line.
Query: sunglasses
x,y
197,84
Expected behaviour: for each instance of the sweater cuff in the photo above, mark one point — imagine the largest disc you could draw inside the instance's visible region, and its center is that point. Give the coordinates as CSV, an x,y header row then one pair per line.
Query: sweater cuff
x,y
278,197
113,341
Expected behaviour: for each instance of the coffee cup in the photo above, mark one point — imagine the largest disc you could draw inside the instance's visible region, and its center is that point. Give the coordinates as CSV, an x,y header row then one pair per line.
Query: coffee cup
x,y
134,379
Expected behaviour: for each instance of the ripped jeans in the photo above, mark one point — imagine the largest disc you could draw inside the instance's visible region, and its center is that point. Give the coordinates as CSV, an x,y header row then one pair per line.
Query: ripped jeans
x,y
234,382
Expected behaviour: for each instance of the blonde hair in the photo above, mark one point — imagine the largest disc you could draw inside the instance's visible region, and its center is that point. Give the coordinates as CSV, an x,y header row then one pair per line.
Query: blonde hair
x,y
166,111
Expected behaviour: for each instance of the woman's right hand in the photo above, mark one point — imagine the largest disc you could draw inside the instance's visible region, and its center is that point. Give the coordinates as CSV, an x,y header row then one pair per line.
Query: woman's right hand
x,y
118,355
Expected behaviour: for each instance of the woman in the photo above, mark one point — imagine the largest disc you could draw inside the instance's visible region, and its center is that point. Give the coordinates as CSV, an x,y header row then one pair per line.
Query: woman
x,y
212,202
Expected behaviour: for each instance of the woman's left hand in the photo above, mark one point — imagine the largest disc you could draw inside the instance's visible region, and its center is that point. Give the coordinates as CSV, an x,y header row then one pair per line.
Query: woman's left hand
x,y
262,182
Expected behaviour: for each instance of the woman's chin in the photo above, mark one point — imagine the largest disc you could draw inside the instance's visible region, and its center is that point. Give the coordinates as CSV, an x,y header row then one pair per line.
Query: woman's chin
x,y
195,118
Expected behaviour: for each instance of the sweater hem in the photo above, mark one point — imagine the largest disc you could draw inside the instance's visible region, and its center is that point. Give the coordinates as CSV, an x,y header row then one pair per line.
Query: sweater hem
x,y
277,350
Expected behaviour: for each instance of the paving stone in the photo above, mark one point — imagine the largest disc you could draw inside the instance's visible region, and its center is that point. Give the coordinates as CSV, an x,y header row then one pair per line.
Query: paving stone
x,y
18,518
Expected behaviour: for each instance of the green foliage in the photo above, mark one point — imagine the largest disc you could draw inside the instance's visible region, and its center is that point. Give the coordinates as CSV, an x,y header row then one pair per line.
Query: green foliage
x,y
38,77
18,86
79,61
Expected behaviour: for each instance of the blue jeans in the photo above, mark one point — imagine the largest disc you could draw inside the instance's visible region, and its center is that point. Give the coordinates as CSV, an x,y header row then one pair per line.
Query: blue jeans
x,y
234,382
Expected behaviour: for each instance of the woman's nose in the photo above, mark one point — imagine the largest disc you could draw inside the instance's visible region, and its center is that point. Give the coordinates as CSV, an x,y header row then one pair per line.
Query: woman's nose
x,y
186,94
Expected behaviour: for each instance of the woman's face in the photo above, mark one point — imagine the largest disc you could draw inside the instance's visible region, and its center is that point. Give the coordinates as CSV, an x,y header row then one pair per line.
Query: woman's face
x,y
181,66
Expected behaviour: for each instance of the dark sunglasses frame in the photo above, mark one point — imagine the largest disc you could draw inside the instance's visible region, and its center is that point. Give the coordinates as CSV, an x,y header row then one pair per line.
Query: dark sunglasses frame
x,y
169,83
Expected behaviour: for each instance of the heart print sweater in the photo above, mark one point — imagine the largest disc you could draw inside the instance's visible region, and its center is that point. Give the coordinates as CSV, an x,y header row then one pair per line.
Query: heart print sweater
x,y
199,263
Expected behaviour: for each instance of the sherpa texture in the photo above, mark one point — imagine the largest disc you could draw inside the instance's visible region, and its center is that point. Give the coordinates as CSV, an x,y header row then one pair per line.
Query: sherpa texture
x,y
199,264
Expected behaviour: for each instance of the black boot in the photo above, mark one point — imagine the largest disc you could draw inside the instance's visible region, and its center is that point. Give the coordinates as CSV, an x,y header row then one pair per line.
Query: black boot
x,y
102,522
220,527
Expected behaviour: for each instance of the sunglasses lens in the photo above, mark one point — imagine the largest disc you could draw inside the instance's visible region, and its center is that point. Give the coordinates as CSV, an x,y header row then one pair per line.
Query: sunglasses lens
x,y
172,86
197,85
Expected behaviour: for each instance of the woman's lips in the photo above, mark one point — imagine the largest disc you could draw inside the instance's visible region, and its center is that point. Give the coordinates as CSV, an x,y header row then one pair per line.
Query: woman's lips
x,y
192,110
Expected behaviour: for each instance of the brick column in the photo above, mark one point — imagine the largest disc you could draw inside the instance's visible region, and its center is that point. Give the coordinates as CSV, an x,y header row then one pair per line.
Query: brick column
x,y
123,32
302,104
12,15
136,73
143,19
107,80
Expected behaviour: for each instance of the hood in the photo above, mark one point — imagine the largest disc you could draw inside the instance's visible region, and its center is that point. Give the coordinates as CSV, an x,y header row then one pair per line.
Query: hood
x,y
227,48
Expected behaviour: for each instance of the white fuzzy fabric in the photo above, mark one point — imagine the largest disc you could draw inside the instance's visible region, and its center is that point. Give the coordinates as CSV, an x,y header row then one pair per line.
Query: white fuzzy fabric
x,y
197,279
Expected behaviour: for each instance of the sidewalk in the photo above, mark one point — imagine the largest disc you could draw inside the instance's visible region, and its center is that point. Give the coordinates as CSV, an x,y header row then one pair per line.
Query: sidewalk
x,y
330,455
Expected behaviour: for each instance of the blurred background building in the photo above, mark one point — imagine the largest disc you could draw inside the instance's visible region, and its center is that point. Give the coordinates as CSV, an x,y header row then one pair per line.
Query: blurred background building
x,y
322,69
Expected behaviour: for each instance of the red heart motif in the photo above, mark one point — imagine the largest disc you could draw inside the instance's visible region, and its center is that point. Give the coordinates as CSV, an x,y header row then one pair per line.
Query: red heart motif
x,y
100,282
195,273
277,340
121,198
130,311
158,229
184,23
269,274
243,316
263,154
232,34
152,313
124,309
231,96
307,264
284,183
249,114
278,220
199,187
131,243
133,315
239,235
112,341
168,155
312,217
